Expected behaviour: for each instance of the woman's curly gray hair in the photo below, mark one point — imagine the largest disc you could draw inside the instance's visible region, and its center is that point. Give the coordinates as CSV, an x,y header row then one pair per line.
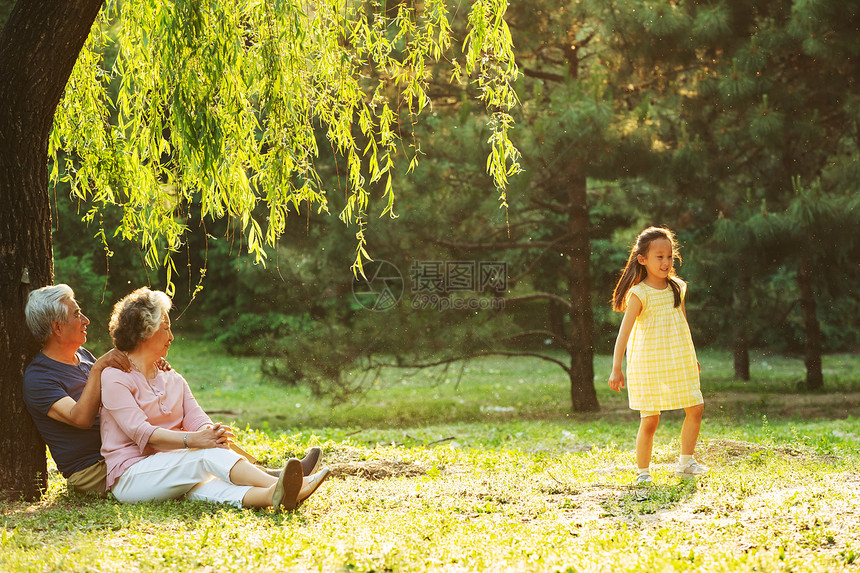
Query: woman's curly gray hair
x,y
137,316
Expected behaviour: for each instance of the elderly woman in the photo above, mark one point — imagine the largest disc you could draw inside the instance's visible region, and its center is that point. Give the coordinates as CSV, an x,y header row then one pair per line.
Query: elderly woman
x,y
158,443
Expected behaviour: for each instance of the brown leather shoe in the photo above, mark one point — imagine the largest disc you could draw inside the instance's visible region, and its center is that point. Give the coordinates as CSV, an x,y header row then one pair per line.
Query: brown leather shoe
x,y
311,461
289,486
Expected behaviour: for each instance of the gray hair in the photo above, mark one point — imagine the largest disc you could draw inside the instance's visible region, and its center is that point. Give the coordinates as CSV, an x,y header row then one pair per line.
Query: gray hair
x,y
137,316
46,306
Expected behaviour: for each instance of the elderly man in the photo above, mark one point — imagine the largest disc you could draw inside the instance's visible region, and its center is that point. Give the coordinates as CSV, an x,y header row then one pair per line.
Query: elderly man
x,y
62,389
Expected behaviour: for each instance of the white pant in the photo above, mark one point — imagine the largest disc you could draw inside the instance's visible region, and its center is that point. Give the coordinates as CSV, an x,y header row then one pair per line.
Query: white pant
x,y
197,474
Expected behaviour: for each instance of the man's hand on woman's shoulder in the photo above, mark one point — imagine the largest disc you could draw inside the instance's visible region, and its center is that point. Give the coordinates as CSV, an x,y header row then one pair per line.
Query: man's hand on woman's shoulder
x,y
113,358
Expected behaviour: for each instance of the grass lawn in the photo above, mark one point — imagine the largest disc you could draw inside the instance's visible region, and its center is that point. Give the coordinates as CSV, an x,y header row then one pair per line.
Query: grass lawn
x,y
486,470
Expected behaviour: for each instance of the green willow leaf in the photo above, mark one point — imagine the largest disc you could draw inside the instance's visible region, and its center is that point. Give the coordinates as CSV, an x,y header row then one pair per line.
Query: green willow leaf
x,y
215,105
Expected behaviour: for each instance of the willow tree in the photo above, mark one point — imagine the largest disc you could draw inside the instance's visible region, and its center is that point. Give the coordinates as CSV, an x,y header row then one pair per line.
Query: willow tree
x,y
213,103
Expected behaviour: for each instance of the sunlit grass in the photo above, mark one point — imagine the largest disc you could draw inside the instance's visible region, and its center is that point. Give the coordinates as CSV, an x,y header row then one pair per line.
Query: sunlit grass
x,y
529,489
495,389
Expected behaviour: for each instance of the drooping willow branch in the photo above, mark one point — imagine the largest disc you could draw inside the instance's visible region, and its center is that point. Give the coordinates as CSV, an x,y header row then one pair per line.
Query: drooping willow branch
x,y
219,106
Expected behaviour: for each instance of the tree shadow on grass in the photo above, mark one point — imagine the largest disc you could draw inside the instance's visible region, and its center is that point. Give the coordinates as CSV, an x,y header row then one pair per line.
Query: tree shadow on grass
x,y
61,510
62,513
650,499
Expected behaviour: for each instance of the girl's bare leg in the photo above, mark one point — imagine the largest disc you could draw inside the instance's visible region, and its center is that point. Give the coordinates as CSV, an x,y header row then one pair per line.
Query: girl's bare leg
x,y
645,440
690,429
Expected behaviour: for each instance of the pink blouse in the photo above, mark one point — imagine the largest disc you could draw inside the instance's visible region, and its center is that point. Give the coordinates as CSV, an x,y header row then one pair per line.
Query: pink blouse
x,y
134,407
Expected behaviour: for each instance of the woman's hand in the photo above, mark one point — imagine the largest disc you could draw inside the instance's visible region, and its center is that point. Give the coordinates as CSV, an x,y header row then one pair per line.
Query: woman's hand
x,y
215,436
616,380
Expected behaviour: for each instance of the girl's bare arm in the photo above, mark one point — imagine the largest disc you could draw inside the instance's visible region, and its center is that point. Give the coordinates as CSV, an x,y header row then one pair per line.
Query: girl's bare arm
x,y
634,307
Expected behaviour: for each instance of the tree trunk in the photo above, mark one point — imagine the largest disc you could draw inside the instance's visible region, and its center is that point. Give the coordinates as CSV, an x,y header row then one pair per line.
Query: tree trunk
x,y
25,260
38,48
812,349
582,394
555,322
580,345
742,309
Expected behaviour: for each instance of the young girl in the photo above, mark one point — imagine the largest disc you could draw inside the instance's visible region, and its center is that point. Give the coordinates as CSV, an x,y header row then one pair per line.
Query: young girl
x,y
662,370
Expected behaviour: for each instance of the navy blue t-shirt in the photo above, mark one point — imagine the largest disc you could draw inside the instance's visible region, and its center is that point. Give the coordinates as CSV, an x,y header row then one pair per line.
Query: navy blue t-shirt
x,y
45,382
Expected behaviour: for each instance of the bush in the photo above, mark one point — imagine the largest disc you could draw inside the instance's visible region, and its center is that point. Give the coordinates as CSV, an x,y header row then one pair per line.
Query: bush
x,y
261,334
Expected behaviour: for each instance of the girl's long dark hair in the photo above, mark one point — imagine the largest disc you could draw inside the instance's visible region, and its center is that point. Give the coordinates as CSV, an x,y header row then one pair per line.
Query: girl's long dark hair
x,y
634,272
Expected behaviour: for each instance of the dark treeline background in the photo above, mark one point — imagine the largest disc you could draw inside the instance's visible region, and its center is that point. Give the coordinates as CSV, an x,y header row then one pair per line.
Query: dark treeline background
x,y
734,123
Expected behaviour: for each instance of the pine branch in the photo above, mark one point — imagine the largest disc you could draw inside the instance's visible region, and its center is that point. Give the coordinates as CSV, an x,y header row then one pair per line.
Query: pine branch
x,y
468,356
504,245
539,296
538,332
554,207
541,75
555,361
534,262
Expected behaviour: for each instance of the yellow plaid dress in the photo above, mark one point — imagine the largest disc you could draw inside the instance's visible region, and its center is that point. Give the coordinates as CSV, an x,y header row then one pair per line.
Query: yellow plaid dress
x,y
662,372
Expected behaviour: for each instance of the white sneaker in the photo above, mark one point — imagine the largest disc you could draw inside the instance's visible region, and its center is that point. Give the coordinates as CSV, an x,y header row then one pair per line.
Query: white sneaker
x,y
642,479
691,470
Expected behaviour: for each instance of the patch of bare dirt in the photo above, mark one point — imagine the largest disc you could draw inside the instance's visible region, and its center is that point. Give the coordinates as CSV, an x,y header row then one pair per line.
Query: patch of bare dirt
x,y
727,451
377,469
